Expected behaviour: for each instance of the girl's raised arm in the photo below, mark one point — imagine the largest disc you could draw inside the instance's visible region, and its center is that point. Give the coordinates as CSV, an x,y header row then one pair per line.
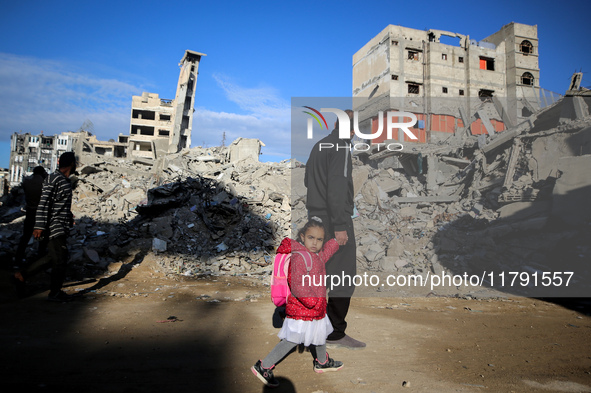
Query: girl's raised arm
x,y
328,250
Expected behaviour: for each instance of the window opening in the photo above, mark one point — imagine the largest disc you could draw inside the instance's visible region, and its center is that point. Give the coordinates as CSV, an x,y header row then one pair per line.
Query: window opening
x,y
485,93
527,79
487,63
413,88
526,47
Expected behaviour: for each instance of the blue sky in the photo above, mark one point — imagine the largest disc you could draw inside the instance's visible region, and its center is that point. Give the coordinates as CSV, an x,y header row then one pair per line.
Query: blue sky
x,y
63,62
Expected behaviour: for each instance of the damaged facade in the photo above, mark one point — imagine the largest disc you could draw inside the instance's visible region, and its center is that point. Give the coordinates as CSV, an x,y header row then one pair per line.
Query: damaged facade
x,y
444,84
158,127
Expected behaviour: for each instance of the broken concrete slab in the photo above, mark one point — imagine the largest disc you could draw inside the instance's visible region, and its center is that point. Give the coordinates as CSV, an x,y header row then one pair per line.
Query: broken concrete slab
x,y
572,193
524,210
245,149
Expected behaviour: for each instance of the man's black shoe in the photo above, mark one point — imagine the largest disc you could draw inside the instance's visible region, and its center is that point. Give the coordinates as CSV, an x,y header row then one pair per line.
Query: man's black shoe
x,y
60,296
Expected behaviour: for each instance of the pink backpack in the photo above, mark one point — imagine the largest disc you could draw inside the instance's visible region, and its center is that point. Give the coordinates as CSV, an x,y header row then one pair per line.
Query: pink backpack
x,y
279,286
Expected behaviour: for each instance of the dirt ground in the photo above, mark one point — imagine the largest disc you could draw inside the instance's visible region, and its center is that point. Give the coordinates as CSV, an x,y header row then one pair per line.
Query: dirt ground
x,y
118,338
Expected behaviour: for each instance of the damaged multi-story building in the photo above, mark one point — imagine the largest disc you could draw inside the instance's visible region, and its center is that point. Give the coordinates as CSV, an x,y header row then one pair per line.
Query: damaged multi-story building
x,y
157,127
28,151
444,78
162,126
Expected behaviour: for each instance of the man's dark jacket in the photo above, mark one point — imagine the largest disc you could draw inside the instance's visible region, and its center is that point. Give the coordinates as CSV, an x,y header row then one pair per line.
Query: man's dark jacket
x,y
329,181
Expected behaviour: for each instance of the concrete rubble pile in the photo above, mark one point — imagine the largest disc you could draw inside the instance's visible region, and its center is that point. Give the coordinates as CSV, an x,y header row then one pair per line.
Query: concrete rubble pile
x,y
203,210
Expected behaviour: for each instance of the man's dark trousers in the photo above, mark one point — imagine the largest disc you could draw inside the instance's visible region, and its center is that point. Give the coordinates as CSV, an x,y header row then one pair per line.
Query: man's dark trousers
x,y
57,258
27,233
342,264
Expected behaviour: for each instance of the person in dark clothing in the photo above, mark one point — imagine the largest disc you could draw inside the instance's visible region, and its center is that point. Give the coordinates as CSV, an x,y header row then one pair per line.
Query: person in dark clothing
x,y
53,220
32,186
329,184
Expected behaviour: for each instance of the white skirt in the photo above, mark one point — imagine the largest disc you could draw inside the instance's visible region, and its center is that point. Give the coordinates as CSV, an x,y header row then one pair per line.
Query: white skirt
x,y
306,332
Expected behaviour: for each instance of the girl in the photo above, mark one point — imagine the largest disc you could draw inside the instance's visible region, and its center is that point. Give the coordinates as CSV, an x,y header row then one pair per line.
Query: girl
x,y
306,321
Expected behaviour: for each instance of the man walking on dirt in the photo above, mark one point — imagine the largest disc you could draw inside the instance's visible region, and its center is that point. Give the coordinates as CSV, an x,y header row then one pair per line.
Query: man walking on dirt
x,y
54,217
329,186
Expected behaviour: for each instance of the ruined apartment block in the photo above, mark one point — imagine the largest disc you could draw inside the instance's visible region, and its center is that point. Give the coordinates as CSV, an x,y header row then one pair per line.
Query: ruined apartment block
x,y
28,151
162,126
414,71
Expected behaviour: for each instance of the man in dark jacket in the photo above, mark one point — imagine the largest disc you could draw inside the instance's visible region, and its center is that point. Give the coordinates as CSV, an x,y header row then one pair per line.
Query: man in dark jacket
x,y
32,187
330,195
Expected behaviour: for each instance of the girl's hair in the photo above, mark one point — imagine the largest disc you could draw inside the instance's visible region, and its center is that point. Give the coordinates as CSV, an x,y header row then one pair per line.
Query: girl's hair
x,y
313,222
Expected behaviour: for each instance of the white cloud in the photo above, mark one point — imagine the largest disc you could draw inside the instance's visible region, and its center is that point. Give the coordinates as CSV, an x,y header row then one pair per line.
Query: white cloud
x,y
209,128
43,95
263,102
267,118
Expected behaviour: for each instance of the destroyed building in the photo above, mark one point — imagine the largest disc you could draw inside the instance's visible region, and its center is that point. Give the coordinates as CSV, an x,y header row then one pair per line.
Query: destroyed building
x,y
162,126
415,71
28,151
157,127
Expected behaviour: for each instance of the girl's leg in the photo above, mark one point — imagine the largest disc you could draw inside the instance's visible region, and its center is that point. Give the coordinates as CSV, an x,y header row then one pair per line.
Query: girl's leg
x,y
281,350
319,352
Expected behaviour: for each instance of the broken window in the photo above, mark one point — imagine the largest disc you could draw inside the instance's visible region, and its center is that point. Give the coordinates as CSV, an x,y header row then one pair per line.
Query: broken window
x,y
394,42
164,117
444,89
187,103
487,63
525,112
461,59
146,115
483,93
147,131
139,130
444,56
461,92
413,55
527,79
413,88
526,47
394,77
164,132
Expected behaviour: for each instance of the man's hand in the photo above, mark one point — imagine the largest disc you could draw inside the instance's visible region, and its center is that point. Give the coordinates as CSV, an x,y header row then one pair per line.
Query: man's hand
x,y
37,234
341,237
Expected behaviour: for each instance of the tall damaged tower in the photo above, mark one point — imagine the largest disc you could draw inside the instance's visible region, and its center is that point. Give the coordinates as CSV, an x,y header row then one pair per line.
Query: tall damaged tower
x,y
185,101
162,126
